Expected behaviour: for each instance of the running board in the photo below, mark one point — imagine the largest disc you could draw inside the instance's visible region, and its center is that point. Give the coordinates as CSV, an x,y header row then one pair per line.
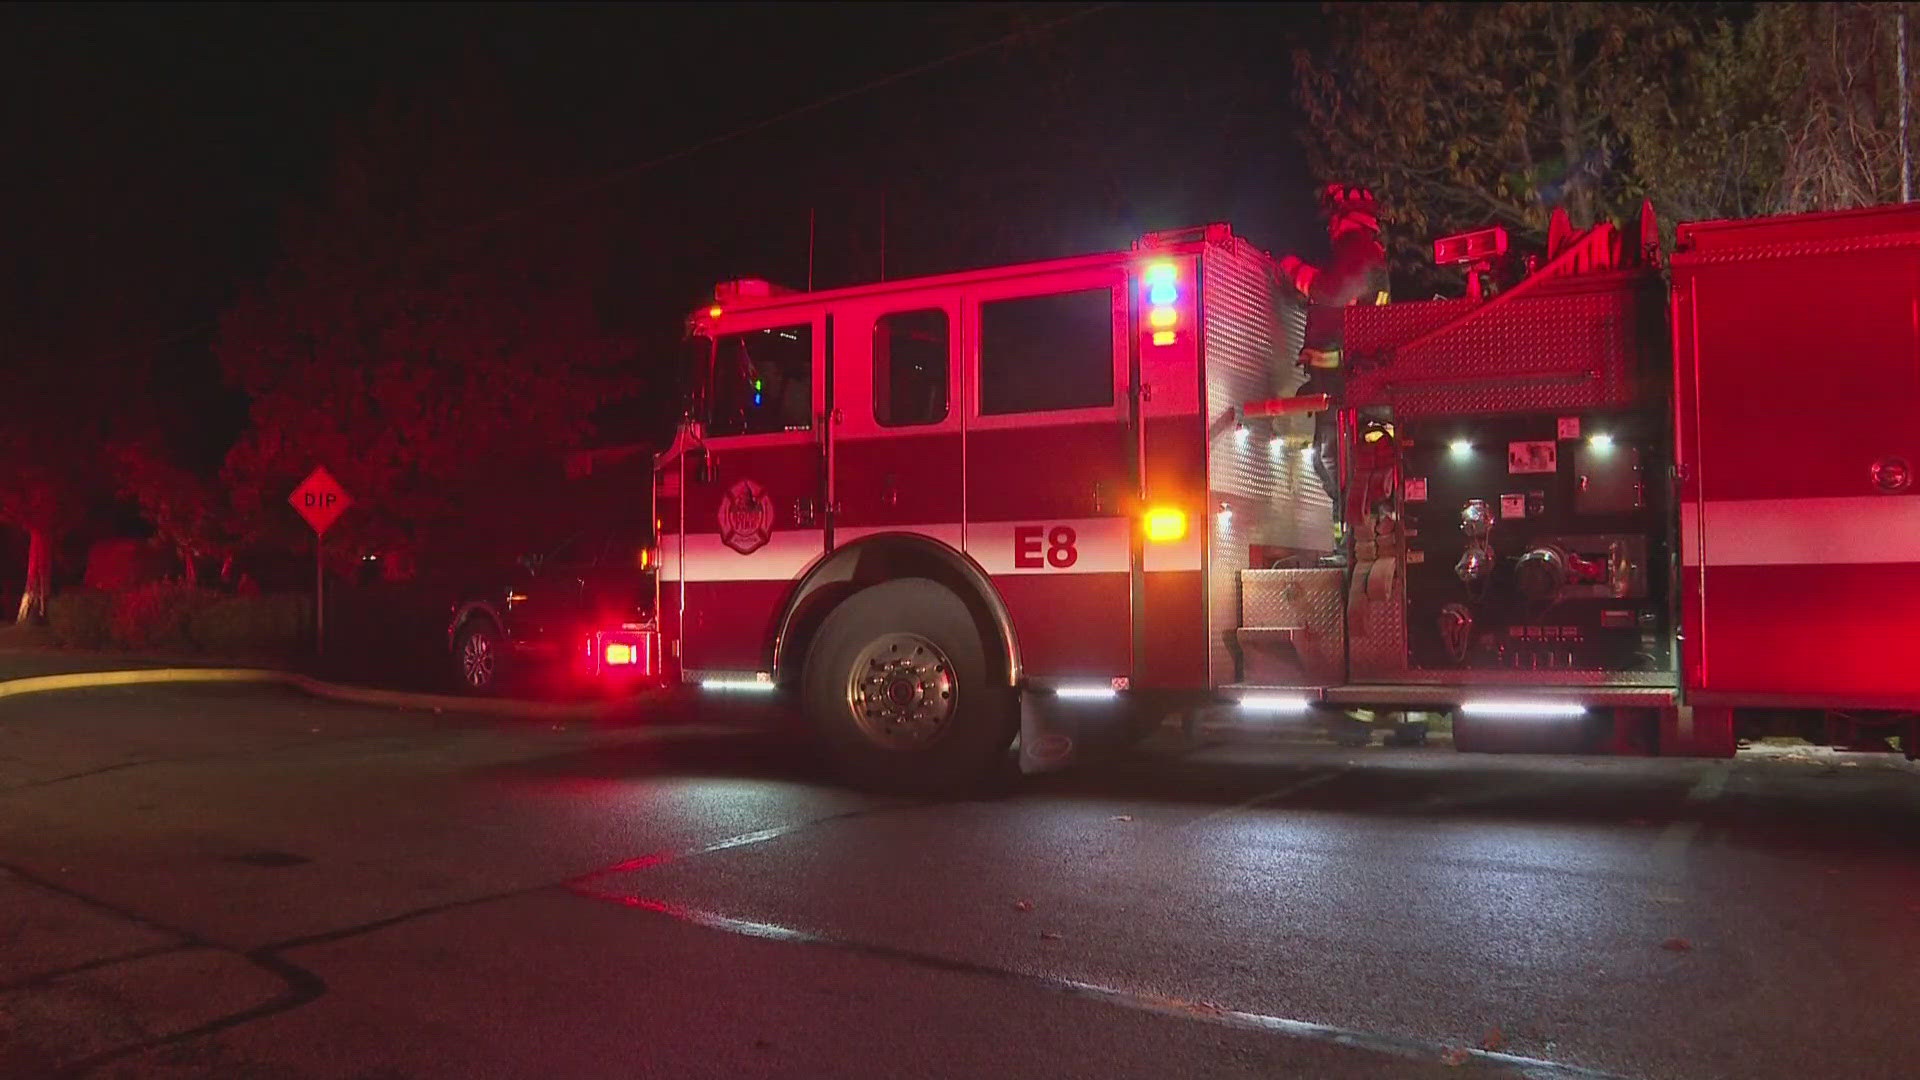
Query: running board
x,y
1445,697
1441,698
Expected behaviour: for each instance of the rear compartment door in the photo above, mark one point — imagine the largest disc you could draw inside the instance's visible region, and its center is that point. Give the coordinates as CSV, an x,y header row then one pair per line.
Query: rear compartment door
x,y
1799,416
1049,478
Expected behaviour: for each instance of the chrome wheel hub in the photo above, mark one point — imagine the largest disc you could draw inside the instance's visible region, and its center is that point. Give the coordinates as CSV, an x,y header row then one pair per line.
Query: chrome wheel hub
x,y
902,691
476,660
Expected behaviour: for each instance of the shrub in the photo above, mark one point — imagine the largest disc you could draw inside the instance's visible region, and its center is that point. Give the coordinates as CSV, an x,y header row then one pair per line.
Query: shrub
x,y
155,615
273,625
78,620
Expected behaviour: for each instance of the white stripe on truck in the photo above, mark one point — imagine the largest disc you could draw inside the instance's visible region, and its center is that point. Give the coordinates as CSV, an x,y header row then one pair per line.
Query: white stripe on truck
x,y
1850,530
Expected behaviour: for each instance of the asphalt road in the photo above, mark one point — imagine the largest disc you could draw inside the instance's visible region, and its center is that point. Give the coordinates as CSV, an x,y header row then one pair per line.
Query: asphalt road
x,y
244,882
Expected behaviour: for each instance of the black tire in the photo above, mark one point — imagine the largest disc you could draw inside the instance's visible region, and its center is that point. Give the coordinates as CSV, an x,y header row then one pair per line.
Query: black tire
x,y
469,674
956,752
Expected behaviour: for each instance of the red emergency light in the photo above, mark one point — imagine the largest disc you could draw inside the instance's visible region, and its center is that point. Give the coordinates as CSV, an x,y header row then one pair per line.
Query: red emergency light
x,y
1463,249
630,652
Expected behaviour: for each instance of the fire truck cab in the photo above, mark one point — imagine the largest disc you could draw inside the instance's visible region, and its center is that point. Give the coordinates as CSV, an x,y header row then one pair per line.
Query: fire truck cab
x,y
922,508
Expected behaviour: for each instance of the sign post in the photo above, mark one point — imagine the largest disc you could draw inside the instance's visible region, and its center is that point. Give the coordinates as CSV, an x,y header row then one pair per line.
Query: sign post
x,y
321,500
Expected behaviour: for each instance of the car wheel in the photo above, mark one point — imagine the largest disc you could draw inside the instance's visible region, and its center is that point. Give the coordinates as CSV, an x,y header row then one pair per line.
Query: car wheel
x,y
478,654
897,688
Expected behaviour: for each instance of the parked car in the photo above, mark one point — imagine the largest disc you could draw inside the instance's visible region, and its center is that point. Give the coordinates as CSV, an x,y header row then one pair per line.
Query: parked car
x,y
576,610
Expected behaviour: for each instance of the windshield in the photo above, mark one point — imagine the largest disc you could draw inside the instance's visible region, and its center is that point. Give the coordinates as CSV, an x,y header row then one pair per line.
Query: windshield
x,y
762,382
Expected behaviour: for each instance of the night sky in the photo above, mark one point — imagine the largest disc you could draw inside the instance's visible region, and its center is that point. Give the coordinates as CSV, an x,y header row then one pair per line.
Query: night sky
x,y
152,151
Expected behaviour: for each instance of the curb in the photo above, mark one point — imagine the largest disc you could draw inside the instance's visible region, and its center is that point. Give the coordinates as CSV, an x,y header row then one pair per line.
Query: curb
x,y
359,695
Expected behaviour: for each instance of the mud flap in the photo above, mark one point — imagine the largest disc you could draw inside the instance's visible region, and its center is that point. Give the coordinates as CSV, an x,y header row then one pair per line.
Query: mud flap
x,y
1045,743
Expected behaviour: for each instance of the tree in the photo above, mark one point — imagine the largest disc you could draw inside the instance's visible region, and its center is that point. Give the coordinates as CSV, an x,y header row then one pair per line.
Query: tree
x,y
1794,108
411,365
101,258
1464,114
74,375
188,511
49,478
1471,113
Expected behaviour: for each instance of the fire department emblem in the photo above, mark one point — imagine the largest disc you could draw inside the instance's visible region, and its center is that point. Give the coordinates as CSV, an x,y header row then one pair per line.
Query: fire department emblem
x,y
746,517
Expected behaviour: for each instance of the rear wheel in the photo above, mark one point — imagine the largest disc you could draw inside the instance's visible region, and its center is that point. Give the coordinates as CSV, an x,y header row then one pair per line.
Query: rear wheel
x,y
478,652
897,687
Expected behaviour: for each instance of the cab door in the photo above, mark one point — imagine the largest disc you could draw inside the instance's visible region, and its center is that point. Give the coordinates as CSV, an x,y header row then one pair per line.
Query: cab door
x,y
1049,475
543,608
752,504
897,432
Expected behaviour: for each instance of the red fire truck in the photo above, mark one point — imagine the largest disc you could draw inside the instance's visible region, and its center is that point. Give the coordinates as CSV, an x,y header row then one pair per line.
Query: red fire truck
x,y
1643,497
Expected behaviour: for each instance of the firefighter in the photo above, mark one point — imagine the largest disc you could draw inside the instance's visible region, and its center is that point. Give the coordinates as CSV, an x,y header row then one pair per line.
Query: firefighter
x,y
1356,273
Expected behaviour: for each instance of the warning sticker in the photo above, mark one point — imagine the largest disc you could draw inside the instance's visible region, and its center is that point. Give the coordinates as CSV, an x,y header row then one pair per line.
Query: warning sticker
x,y
1513,506
1416,489
1569,427
1542,456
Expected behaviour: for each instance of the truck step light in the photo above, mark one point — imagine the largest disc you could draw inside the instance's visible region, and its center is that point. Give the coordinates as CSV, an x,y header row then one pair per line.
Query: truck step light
x,y
1274,703
1084,692
620,653
1540,709
752,685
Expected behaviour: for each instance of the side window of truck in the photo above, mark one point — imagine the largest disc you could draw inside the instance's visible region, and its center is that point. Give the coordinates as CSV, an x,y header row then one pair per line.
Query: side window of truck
x,y
1042,353
763,382
912,353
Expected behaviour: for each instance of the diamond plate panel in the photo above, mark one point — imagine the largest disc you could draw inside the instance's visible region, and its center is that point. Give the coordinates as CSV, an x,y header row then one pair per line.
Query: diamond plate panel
x,y
1581,343
1307,598
1310,600
1252,335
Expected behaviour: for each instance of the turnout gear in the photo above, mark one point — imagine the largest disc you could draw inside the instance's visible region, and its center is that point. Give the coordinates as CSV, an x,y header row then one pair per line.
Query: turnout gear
x,y
1355,274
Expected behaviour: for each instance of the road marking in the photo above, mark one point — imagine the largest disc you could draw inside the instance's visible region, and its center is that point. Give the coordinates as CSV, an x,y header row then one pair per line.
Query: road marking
x,y
1275,795
1670,850
85,680
1205,1012
358,695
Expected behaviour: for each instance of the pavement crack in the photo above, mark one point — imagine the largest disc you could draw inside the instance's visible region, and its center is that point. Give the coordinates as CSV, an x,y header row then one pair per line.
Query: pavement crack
x,y
44,978
187,937
302,986
82,775
577,885
1404,1047
188,759
1275,795
324,937
582,883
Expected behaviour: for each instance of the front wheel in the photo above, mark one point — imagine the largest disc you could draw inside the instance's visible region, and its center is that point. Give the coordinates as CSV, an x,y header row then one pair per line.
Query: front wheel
x,y
897,687
478,651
